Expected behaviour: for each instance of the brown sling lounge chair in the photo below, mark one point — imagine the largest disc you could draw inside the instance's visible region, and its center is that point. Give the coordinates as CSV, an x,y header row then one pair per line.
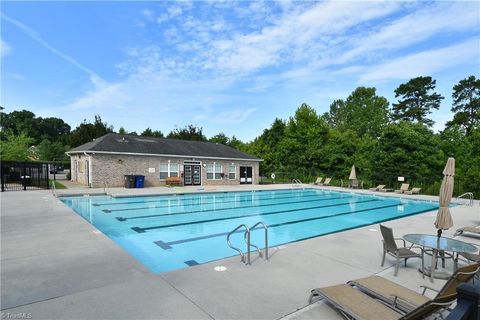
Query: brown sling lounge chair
x,y
354,304
405,299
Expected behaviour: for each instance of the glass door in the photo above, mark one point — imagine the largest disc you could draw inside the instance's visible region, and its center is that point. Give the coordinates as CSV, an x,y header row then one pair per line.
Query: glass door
x,y
187,175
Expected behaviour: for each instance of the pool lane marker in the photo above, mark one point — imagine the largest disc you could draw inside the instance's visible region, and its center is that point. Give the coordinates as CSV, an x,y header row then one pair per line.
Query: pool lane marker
x,y
206,203
142,230
168,245
224,209
209,196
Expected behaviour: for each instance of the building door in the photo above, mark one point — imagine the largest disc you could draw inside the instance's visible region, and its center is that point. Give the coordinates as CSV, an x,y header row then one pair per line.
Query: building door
x,y
187,175
246,175
192,175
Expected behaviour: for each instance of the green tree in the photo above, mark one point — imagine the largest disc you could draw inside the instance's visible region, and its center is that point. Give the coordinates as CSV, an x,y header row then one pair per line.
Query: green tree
x,y
416,100
49,151
122,130
86,132
466,103
150,133
363,112
220,138
189,132
305,134
15,147
267,147
410,150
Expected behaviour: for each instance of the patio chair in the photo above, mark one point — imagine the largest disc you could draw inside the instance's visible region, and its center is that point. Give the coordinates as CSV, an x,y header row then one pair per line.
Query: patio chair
x,y
413,191
353,184
377,188
354,304
318,181
403,188
465,231
326,182
405,299
390,247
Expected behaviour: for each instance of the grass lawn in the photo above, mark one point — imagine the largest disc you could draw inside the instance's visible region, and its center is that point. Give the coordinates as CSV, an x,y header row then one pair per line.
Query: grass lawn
x,y
58,185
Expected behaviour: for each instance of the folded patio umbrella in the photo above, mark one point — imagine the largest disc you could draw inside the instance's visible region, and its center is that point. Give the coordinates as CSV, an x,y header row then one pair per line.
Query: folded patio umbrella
x,y
444,219
353,174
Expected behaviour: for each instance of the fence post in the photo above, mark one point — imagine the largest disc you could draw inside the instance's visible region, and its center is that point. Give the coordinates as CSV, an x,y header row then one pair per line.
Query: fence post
x,y
24,175
2,177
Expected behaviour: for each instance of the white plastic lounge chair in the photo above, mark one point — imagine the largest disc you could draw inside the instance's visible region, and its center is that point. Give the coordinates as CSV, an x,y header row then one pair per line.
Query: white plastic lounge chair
x,y
413,191
403,188
318,181
465,231
377,188
326,182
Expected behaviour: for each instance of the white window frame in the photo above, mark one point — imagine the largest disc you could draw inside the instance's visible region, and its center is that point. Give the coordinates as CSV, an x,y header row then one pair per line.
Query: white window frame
x,y
169,170
234,171
214,172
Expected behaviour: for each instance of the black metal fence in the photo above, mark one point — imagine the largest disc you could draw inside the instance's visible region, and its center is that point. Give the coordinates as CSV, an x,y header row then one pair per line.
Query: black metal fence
x,y
16,176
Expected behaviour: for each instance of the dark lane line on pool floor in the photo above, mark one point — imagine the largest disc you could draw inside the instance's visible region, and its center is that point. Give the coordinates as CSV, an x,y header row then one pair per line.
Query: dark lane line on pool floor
x,y
211,195
206,203
168,245
141,230
224,209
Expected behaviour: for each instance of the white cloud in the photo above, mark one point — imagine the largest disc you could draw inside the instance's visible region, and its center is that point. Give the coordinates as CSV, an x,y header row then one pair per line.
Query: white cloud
x,y
424,63
36,37
5,49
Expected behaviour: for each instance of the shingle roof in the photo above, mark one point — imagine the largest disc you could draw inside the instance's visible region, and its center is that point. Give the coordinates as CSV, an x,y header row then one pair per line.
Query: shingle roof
x,y
128,144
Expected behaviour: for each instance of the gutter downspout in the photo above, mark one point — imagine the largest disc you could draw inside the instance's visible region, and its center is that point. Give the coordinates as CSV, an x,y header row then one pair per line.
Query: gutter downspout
x,y
89,169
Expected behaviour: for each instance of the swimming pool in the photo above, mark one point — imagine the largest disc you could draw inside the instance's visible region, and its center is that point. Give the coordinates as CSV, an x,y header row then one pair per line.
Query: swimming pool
x,y
176,231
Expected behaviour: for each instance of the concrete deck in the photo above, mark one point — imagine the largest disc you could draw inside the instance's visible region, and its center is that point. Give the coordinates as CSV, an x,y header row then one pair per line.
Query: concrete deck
x,y
54,265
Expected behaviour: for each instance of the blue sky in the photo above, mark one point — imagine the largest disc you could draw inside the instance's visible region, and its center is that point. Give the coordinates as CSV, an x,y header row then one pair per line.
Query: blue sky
x,y
230,66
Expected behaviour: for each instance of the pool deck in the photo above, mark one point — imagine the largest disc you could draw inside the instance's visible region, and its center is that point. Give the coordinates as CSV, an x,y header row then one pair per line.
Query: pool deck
x,y
54,265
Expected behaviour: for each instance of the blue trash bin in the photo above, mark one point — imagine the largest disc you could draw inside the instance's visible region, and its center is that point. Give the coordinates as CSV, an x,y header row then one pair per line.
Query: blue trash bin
x,y
139,181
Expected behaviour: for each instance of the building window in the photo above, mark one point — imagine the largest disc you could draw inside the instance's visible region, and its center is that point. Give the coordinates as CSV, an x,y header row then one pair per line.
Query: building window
x,y
232,172
168,170
214,171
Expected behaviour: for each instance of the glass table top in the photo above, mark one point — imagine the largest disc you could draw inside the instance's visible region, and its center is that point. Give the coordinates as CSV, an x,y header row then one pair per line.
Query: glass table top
x,y
442,243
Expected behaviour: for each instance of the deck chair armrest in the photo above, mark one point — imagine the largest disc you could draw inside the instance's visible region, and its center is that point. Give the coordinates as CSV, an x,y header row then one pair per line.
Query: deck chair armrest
x,y
404,301
401,239
429,288
473,272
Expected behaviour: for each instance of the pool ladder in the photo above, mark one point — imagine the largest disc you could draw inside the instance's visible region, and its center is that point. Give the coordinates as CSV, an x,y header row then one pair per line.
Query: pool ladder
x,y
246,237
297,183
465,195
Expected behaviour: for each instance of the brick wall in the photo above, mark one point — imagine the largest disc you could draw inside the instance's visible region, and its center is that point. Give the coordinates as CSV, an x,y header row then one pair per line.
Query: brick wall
x,y
112,168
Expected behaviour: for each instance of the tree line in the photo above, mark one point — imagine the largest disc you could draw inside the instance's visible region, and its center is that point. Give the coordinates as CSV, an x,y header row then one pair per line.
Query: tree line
x,y
382,140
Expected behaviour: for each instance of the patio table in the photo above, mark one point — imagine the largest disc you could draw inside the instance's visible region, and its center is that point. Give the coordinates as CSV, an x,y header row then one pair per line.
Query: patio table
x,y
438,244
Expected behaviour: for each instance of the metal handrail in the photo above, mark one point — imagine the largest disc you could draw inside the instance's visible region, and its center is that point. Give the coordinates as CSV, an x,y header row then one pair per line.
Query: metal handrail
x,y
54,189
247,235
470,197
266,239
104,187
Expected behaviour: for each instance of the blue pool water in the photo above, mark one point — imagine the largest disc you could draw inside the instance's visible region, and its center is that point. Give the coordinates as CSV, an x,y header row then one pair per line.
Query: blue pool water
x,y
177,231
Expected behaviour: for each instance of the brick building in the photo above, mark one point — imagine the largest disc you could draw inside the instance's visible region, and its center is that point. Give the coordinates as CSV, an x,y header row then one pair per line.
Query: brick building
x,y
107,159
